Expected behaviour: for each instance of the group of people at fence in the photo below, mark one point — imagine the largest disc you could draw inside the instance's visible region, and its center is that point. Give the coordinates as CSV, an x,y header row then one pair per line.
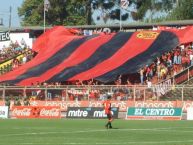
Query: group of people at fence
x,y
14,55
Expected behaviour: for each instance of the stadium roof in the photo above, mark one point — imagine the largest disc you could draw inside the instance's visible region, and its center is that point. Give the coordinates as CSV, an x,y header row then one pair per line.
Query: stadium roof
x,y
136,25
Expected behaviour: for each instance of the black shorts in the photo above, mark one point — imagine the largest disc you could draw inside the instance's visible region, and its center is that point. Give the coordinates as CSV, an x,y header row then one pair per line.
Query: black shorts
x,y
109,116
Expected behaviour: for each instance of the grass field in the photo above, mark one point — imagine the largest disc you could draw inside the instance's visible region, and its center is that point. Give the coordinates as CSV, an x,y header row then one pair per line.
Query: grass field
x,y
93,132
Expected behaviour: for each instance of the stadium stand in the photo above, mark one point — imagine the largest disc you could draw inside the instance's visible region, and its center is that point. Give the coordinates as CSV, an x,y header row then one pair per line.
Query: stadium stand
x,y
166,67
13,56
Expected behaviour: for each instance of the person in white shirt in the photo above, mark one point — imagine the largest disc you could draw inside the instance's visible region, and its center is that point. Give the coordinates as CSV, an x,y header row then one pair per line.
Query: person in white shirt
x,y
149,83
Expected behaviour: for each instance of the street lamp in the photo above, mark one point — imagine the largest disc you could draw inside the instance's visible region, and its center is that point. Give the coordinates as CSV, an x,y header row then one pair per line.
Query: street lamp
x,y
1,21
46,7
6,13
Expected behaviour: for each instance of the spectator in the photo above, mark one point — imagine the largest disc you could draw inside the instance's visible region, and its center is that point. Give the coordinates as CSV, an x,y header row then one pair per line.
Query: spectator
x,y
24,59
141,72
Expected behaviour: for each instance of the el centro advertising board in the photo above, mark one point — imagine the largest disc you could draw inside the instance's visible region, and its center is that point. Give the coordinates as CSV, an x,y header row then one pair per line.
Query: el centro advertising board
x,y
89,112
154,113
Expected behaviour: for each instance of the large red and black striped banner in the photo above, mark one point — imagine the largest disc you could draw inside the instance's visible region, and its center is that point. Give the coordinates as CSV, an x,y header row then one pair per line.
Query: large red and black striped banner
x,y
64,56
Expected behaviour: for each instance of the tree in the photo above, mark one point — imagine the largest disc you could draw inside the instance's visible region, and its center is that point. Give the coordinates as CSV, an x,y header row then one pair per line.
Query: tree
x,y
183,11
153,5
78,12
61,12
30,12
138,9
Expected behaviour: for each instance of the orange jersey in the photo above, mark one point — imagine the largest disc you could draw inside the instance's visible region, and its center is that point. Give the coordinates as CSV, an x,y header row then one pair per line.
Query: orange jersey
x,y
107,106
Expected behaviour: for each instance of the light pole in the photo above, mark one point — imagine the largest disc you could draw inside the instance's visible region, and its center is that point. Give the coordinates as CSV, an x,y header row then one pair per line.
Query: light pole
x,y
123,5
46,7
120,22
9,13
44,16
10,10
120,19
1,21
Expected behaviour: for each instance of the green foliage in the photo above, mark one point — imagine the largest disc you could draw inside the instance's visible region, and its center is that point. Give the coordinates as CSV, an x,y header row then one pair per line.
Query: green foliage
x,y
77,12
153,5
61,12
145,5
167,4
183,11
7,101
30,12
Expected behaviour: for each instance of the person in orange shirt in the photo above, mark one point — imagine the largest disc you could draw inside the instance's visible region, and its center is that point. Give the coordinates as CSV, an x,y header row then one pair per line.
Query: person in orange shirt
x,y
107,109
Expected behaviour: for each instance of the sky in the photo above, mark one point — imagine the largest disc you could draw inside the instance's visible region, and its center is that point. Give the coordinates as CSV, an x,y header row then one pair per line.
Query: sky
x,y
4,12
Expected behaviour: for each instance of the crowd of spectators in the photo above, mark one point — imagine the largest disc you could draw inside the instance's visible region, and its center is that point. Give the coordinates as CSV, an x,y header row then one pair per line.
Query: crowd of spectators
x,y
11,52
167,65
14,48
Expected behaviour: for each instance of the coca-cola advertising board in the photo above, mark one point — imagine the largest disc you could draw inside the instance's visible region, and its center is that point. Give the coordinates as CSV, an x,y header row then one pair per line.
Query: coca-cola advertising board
x,y
35,112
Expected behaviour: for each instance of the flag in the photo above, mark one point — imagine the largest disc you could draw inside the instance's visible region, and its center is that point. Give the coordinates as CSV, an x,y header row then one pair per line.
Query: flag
x,y
124,4
46,5
64,57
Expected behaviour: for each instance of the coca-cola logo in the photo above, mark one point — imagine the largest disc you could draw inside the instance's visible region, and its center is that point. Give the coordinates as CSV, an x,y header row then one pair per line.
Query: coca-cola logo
x,y
50,112
21,112
35,112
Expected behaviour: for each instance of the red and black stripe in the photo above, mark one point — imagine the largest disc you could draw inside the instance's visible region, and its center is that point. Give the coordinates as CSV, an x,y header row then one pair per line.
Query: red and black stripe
x,y
165,42
104,52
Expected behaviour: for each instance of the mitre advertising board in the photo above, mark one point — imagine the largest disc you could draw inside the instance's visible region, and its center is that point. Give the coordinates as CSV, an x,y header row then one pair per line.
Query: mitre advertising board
x,y
154,113
89,112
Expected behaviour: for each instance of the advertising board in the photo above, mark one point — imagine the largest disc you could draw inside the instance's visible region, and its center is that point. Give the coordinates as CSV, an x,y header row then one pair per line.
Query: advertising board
x,y
35,112
4,111
89,112
122,105
190,113
4,36
154,113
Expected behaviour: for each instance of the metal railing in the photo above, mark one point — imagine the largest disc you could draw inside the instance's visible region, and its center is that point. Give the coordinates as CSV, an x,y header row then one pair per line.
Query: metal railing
x,y
161,92
165,90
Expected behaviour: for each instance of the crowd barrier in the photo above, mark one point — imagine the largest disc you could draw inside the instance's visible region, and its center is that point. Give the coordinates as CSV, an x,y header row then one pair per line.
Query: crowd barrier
x,y
165,95
162,92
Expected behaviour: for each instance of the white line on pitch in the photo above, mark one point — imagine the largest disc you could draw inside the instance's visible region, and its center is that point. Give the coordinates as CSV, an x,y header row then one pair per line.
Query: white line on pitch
x,y
101,130
111,143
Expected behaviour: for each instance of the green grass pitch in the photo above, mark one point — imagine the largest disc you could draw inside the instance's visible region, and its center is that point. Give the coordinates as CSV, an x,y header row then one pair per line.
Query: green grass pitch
x,y
93,132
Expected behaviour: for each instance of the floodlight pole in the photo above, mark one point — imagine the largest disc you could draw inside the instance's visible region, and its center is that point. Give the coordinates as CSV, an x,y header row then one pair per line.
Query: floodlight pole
x,y
10,10
44,17
120,21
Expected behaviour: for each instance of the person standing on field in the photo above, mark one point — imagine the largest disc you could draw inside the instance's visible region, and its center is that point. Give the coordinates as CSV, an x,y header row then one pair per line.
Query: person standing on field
x,y
107,109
